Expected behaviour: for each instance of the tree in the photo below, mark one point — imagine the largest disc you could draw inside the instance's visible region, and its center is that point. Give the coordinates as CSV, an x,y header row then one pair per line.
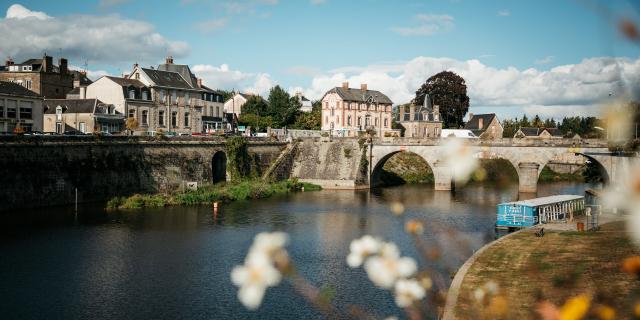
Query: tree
x,y
131,124
282,107
537,122
449,91
256,122
307,121
256,105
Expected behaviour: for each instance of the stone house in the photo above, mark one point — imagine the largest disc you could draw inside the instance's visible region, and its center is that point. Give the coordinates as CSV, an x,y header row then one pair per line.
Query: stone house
x,y
306,105
485,126
80,80
348,111
81,116
19,107
421,121
235,103
538,133
40,76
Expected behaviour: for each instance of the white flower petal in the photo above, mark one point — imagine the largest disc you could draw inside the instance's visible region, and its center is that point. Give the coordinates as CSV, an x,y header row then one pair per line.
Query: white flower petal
x,y
251,296
406,267
354,260
239,275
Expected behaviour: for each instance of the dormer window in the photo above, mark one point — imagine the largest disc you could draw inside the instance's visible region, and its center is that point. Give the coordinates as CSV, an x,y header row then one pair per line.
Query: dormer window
x,y
59,113
132,94
137,76
145,95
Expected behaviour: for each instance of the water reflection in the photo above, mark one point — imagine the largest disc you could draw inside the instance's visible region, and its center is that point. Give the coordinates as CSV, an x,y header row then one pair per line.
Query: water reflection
x,y
175,262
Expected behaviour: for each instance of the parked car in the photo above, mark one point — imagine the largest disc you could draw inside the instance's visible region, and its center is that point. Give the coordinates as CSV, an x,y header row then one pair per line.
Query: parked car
x,y
184,134
196,134
171,134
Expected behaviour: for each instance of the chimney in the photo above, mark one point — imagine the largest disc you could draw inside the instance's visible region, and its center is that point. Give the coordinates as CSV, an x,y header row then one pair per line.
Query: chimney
x,y
169,60
9,62
470,116
62,63
199,82
47,63
76,83
345,85
83,92
363,87
480,123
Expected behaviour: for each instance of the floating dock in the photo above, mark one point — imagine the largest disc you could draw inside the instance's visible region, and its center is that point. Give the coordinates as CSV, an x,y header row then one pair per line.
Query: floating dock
x,y
530,212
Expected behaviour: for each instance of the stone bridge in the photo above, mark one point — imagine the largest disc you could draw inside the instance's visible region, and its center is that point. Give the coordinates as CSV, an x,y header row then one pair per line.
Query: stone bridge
x,y
528,157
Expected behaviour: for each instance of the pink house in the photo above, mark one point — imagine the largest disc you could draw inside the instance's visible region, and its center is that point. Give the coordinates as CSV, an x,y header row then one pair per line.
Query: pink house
x,y
347,111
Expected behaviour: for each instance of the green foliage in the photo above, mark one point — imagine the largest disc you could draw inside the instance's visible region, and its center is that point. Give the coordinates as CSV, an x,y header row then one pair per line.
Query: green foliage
x,y
257,123
406,168
224,192
238,158
256,105
282,107
583,126
548,175
593,173
449,91
308,121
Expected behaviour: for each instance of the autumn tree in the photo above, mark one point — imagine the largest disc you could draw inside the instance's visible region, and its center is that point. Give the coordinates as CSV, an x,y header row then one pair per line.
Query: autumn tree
x,y
449,91
131,124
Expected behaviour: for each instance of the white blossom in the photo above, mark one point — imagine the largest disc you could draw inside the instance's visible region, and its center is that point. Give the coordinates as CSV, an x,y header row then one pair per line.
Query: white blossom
x,y
361,249
624,194
269,243
459,157
478,294
388,267
408,291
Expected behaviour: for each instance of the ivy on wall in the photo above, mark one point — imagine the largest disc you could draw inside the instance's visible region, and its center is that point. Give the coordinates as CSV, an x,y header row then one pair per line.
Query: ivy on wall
x,y
238,161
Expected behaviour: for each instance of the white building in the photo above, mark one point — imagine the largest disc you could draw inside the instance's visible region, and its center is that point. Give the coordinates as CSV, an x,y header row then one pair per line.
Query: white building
x,y
235,103
19,108
307,106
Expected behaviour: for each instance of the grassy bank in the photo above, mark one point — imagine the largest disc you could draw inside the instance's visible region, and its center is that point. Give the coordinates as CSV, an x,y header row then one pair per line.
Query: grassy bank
x,y
548,175
555,267
223,192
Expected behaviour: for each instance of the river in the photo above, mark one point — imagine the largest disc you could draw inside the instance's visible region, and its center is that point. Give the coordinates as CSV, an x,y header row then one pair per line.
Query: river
x,y
175,262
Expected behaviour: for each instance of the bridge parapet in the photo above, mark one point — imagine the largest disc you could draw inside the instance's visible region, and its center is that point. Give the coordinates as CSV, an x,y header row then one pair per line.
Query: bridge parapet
x,y
505,142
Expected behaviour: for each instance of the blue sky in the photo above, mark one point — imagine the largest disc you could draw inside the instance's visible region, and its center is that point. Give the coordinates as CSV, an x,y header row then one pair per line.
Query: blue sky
x,y
313,45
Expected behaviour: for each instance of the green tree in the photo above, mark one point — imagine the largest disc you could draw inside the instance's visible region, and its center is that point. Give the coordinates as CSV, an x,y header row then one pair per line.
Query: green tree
x,y
282,107
257,106
537,122
256,122
524,122
449,91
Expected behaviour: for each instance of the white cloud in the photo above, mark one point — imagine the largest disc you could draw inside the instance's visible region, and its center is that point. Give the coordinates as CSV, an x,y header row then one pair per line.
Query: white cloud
x,y
426,25
545,60
504,13
100,39
17,11
211,25
583,84
222,77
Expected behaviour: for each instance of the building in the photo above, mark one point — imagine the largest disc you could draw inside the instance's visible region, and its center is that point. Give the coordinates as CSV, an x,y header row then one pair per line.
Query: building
x,y
485,126
538,133
19,108
421,121
169,98
81,116
458,133
40,76
235,103
347,111
80,80
306,105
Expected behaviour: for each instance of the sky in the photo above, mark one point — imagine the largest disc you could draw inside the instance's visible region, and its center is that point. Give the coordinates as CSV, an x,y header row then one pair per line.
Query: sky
x,y
554,58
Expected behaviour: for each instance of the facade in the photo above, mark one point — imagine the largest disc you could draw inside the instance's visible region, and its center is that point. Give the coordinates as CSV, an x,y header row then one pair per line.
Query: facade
x,y
19,108
40,76
421,121
458,133
347,111
538,133
485,126
81,116
234,105
80,83
307,106
528,213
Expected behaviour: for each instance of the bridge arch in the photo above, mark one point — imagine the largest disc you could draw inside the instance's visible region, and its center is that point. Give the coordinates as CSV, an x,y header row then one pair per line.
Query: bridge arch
x,y
377,169
219,167
600,164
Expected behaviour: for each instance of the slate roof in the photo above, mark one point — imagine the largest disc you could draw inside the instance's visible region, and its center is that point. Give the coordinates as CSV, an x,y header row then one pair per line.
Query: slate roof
x,y
127,82
555,132
82,77
531,131
183,70
15,89
358,95
71,105
167,79
474,123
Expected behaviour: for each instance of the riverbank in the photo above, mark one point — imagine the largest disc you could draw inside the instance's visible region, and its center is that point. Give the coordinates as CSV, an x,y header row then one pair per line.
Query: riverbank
x,y
222,192
558,266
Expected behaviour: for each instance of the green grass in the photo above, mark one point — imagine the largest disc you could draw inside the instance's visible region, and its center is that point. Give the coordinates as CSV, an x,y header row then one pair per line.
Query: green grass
x,y
548,175
222,192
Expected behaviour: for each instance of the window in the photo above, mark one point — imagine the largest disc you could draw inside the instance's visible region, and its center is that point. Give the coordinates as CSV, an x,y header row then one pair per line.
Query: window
x,y
145,95
161,118
217,111
211,111
1,111
186,119
145,117
132,94
386,123
137,76
26,113
376,121
59,127
161,94
359,121
27,84
174,119
186,97
132,113
174,96
83,127
58,113
11,112
348,120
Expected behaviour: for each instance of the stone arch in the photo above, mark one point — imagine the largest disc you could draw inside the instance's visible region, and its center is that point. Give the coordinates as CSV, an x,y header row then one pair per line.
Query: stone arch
x,y
600,161
219,167
375,181
486,155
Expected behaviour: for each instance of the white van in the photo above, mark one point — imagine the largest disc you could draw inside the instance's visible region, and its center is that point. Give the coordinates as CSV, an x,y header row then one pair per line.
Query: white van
x,y
458,133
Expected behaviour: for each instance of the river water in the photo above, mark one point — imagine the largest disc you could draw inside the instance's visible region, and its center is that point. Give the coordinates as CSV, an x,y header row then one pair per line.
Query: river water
x,y
173,263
